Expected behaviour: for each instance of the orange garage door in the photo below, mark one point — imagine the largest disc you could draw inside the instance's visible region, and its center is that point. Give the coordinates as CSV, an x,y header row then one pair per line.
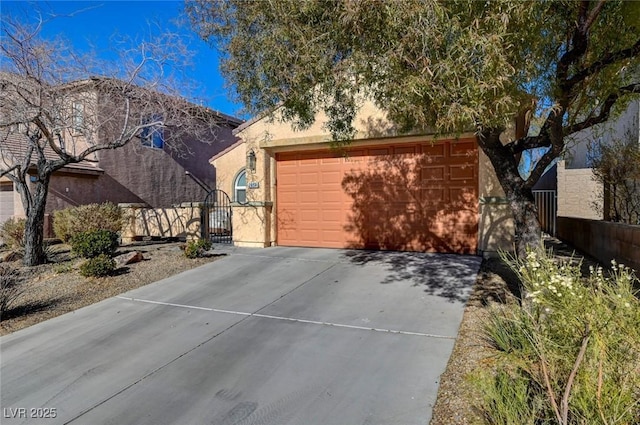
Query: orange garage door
x,y
419,197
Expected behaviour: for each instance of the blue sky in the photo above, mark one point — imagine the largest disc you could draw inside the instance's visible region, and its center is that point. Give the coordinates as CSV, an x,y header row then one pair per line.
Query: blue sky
x,y
94,23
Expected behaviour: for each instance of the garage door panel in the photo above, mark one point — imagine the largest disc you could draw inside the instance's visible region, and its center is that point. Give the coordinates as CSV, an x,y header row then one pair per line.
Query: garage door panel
x,y
308,197
461,172
435,150
419,197
288,198
406,150
308,178
462,148
433,173
331,177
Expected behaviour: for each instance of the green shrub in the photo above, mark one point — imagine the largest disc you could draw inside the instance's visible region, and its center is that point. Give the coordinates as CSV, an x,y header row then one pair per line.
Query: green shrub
x,y
94,243
197,248
85,218
12,232
99,266
570,353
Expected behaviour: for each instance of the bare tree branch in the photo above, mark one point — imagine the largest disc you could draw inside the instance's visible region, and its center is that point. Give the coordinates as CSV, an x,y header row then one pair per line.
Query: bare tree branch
x,y
602,63
593,15
54,111
605,110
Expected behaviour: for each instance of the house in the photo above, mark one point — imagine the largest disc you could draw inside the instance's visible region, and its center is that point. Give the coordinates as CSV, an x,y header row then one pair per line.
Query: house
x,y
579,194
384,191
145,171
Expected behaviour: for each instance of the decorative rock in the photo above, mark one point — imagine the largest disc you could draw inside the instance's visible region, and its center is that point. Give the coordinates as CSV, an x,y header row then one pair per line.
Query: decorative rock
x,y
128,258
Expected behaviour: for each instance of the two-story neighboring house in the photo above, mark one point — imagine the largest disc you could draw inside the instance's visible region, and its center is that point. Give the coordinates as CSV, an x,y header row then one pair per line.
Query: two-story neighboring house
x,y
579,195
150,169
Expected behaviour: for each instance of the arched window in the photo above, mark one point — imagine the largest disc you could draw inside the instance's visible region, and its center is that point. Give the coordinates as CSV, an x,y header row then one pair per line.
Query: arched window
x,y
240,187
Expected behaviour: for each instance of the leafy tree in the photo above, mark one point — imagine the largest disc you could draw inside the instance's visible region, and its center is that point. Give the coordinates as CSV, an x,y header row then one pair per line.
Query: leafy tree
x,y
55,111
449,65
616,165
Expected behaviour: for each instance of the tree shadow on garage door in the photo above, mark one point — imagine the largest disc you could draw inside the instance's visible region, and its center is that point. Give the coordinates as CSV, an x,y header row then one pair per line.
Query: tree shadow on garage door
x,y
449,276
425,201
421,201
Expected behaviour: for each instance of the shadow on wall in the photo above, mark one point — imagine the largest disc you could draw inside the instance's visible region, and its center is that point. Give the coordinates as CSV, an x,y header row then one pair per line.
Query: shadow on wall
x,y
449,276
179,222
414,203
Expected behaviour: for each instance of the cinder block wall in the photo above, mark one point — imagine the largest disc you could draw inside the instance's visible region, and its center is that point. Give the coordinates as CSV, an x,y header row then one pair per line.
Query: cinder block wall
x,y
602,239
578,193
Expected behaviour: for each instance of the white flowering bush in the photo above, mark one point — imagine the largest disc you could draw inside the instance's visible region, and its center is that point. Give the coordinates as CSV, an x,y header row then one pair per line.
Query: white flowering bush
x,y
570,352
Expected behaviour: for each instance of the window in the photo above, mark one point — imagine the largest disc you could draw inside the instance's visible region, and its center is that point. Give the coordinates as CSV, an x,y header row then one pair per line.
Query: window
x,y
240,187
78,116
153,135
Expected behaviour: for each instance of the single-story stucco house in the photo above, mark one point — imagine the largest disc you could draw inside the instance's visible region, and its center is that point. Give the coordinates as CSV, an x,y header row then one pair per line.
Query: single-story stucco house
x,y
383,191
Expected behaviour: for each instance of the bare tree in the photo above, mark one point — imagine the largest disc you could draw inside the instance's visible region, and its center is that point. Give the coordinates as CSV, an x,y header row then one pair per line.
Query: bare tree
x,y
616,165
60,108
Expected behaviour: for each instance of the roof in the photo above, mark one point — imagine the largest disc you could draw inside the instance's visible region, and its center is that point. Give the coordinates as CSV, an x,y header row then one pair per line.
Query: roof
x,y
229,149
250,122
228,119
14,145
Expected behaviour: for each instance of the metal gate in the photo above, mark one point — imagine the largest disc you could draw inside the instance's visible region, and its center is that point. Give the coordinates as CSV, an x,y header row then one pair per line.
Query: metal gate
x,y
547,204
216,217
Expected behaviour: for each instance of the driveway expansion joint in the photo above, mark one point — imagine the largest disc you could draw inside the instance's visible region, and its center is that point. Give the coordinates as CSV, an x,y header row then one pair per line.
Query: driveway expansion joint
x,y
289,319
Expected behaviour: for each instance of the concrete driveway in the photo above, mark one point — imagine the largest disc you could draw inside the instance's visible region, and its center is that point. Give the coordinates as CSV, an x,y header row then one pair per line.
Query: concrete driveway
x,y
269,336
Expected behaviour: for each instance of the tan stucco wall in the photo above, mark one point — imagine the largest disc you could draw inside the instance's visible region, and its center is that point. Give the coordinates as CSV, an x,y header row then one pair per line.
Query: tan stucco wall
x,y
256,225
252,225
228,166
579,195
370,123
181,222
18,210
496,227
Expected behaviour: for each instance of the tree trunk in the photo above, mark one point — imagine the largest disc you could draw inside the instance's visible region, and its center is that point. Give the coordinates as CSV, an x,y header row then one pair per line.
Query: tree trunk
x,y
35,202
519,196
525,215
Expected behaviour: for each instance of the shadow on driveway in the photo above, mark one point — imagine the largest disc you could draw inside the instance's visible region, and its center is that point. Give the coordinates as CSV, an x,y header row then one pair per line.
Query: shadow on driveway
x,y
450,276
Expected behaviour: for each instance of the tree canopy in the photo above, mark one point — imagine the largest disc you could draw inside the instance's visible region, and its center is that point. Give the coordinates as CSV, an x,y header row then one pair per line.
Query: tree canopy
x,y
444,65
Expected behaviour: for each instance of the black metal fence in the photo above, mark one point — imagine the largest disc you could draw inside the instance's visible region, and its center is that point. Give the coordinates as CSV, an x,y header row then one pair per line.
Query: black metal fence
x,y
216,217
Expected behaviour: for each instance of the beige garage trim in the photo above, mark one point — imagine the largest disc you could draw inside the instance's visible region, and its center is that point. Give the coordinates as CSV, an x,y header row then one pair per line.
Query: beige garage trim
x,y
409,197
6,201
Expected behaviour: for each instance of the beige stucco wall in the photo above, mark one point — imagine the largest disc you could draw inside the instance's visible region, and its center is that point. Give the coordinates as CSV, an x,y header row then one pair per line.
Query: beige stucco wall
x,y
252,225
182,221
255,224
228,166
579,195
496,227
18,210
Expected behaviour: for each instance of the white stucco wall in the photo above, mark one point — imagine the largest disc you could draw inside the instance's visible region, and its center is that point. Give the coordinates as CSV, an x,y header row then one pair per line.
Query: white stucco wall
x,y
627,124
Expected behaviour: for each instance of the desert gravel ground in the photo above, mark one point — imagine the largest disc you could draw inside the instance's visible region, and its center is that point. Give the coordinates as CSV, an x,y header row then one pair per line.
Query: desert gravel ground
x,y
57,288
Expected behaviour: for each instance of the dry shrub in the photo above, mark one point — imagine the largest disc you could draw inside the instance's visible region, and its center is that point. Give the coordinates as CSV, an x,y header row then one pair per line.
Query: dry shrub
x,y
10,288
12,232
85,218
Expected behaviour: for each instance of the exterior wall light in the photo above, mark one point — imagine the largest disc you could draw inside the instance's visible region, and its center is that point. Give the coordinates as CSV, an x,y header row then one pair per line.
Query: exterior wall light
x,y
251,161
